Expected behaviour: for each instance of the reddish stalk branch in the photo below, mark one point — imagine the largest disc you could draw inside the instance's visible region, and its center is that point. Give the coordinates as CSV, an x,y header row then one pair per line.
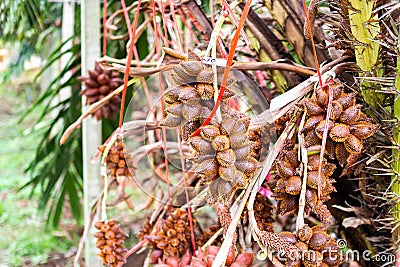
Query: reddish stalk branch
x,y
228,66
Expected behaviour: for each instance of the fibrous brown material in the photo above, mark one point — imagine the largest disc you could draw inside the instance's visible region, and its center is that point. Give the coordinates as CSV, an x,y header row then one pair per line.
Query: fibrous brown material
x,y
117,160
99,84
173,236
263,212
110,241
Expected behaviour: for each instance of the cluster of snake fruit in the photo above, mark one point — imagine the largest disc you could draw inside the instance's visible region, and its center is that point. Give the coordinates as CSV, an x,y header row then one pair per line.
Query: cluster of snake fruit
x,y
117,160
224,153
99,84
173,236
347,128
110,242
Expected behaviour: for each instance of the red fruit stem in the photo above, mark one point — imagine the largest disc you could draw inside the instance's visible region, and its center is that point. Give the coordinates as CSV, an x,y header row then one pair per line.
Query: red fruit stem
x,y
325,134
191,32
129,59
126,16
104,28
228,66
312,43
175,24
161,93
235,20
164,19
135,248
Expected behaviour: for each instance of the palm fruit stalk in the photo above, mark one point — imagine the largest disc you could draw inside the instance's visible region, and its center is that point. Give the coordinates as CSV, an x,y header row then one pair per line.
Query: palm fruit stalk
x,y
110,242
99,84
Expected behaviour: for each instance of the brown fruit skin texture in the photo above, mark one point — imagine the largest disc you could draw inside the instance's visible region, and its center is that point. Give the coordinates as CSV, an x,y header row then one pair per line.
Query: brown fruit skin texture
x,y
293,185
221,143
226,157
305,233
319,129
289,237
339,133
353,144
318,240
364,130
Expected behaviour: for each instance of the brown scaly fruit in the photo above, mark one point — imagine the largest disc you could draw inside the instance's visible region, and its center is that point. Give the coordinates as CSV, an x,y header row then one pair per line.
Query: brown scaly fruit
x,y
348,126
191,95
229,153
146,229
202,239
289,182
118,160
110,242
173,236
317,247
99,84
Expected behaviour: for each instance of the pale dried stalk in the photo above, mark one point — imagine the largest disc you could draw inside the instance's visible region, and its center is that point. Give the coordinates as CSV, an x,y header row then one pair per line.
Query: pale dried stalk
x,y
271,240
91,110
304,160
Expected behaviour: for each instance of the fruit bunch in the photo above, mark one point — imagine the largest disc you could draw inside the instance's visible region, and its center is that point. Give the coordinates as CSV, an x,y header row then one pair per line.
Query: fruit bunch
x,y
223,156
318,249
206,258
110,241
173,236
224,151
289,182
347,126
191,96
117,160
99,84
